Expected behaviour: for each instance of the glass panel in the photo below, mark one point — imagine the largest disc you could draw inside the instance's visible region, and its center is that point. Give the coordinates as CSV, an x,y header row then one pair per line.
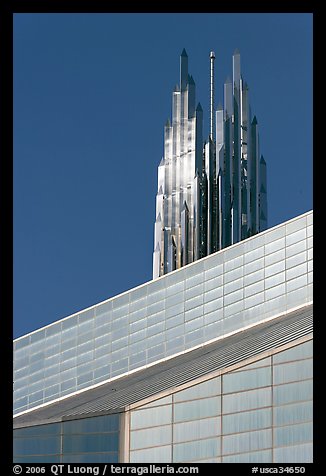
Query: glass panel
x,y
205,389
254,289
150,437
246,400
275,280
289,435
294,413
252,301
275,291
245,442
213,294
36,446
159,402
101,424
296,248
233,297
38,459
194,337
174,310
213,261
39,430
237,381
213,305
296,236
90,443
292,392
275,257
253,266
296,260
194,302
246,421
296,271
310,218
179,319
194,291
297,283
159,455
173,300
274,246
255,365
193,324
234,263
197,409
295,224
214,283
294,454
274,268
213,272
233,309
198,429
91,458
255,457
186,452
191,314
301,351
151,417
233,286
175,289
293,371
233,275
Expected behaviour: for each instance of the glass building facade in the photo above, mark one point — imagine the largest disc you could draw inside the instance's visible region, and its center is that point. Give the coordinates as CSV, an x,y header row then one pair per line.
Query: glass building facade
x,y
242,285
238,320
260,412
89,440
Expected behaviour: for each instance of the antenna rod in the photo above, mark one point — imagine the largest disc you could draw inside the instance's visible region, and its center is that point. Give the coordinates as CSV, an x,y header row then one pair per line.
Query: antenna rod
x,y
212,58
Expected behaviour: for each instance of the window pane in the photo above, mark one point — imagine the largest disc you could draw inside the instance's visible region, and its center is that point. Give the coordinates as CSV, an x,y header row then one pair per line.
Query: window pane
x,y
245,442
301,351
294,454
255,378
37,445
292,434
151,417
245,421
294,413
292,392
247,400
90,443
159,455
255,457
186,452
101,424
150,437
205,389
198,429
39,430
197,409
293,371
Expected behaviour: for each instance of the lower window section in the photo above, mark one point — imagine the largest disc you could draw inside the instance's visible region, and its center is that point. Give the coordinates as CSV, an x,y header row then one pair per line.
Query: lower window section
x,y
255,457
297,454
91,458
194,450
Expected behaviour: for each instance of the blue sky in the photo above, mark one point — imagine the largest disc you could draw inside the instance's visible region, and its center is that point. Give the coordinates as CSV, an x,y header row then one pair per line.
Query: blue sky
x,y
91,95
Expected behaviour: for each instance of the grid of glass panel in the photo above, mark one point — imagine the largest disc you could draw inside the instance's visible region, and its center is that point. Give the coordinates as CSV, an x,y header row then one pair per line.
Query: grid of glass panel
x,y
238,286
89,440
261,412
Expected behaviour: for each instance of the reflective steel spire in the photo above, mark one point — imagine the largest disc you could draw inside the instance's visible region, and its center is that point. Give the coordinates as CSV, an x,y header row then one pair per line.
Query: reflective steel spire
x,y
210,194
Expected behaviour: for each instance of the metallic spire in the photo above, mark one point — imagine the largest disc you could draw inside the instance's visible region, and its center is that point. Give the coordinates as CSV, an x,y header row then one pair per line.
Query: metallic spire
x,y
211,131
209,194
